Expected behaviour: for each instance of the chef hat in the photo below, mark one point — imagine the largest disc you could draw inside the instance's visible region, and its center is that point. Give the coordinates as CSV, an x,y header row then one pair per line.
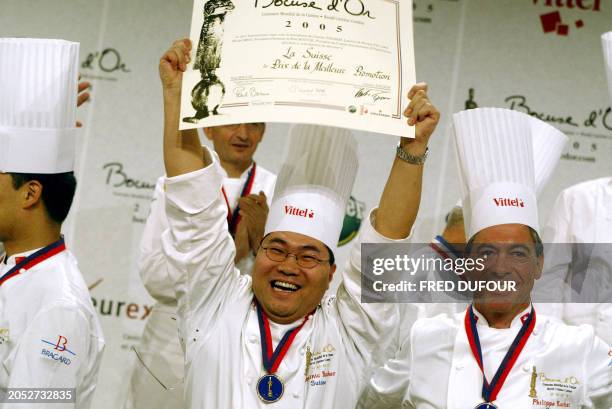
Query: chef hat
x,y
38,91
606,41
314,183
495,159
548,143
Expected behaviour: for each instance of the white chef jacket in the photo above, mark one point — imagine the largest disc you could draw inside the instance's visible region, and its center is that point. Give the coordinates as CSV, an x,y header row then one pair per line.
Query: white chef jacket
x,y
438,369
581,214
159,348
389,382
50,335
219,321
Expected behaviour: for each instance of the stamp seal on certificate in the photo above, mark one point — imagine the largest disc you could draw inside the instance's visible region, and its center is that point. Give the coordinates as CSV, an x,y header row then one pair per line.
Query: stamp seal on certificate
x,y
346,63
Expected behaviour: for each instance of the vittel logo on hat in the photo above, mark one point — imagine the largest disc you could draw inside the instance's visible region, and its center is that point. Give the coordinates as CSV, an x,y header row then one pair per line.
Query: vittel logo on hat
x,y
508,202
552,21
298,211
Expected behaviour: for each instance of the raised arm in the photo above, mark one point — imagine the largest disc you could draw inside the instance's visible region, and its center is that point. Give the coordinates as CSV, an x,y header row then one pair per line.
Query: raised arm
x,y
399,203
183,151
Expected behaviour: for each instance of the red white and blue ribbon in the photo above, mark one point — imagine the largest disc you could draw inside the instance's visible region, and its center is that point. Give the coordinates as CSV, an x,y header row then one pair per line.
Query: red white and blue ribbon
x,y
34,259
233,217
271,357
444,248
491,390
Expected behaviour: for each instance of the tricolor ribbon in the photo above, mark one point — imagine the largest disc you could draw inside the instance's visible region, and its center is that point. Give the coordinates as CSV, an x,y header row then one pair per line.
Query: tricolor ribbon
x,y
233,217
490,390
271,357
445,249
34,259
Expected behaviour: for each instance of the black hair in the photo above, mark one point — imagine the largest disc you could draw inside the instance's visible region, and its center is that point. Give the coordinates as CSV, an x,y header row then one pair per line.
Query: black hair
x,y
57,191
539,247
332,259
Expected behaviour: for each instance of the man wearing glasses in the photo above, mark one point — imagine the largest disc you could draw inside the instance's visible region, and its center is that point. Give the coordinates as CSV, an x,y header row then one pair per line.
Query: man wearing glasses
x,y
273,336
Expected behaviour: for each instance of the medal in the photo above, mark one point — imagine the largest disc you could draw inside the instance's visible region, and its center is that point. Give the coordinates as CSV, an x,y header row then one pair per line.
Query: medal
x,y
486,405
35,258
490,390
270,387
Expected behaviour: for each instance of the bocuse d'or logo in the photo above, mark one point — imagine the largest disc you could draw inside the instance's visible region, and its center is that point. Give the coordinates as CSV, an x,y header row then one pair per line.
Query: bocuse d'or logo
x,y
552,21
108,61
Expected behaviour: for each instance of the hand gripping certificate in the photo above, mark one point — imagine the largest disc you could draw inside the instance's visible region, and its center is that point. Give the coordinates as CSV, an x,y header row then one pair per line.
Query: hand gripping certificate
x,y
344,63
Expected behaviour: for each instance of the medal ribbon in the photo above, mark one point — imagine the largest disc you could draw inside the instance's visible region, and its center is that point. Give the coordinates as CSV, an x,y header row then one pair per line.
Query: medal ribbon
x,y
35,258
490,391
273,357
233,217
447,246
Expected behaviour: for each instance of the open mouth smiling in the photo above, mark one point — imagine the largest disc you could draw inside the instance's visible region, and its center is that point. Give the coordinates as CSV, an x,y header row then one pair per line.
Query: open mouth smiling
x,y
284,286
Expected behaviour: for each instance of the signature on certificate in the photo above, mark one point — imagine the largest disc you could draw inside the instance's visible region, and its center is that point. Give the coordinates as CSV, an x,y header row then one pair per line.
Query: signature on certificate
x,y
244,92
376,95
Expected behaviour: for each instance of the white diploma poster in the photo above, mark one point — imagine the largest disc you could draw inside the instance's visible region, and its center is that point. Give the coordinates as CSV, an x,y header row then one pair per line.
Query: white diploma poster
x,y
344,63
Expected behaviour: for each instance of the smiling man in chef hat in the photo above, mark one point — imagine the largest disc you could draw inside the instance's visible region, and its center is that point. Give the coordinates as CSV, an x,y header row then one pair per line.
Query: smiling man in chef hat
x,y
50,336
273,336
497,354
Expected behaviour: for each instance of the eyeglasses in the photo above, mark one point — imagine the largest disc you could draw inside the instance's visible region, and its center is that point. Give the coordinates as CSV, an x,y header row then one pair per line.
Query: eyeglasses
x,y
279,255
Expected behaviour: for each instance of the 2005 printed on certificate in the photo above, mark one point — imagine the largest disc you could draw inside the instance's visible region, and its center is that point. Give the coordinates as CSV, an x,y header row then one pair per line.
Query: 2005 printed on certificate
x,y
345,63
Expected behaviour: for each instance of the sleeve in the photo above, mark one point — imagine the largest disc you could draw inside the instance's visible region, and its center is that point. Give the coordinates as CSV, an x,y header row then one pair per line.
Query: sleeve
x,y
153,266
200,248
598,385
388,386
371,327
54,352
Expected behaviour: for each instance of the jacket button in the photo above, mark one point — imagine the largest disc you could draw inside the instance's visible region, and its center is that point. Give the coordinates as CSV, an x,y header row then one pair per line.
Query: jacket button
x,y
526,368
253,339
459,366
296,395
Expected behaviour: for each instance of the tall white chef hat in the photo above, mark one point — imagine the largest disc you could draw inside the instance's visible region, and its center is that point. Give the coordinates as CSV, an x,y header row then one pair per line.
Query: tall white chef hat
x,y
606,41
314,183
548,143
495,161
38,91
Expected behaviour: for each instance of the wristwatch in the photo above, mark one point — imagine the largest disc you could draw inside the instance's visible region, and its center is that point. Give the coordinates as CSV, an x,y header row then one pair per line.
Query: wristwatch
x,y
410,158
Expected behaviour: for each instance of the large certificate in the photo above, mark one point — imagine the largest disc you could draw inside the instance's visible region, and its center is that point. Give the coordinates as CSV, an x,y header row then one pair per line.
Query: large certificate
x,y
344,63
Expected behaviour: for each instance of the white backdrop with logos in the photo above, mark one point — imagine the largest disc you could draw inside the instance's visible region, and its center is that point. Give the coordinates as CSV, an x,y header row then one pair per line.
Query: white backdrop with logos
x,y
531,55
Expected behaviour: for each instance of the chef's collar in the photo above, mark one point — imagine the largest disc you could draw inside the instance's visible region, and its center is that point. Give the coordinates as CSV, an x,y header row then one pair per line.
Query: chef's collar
x,y
15,258
516,321
244,174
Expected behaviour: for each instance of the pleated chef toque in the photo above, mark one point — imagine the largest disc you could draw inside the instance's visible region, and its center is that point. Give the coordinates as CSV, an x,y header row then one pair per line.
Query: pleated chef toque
x,y
548,143
38,91
314,183
606,41
495,159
